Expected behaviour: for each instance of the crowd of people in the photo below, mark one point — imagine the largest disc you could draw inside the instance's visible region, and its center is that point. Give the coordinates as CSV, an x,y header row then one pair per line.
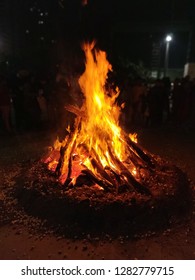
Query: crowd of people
x,y
159,103
28,103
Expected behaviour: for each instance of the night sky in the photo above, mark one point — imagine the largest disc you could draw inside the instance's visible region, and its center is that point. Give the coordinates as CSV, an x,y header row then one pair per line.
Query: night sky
x,y
53,28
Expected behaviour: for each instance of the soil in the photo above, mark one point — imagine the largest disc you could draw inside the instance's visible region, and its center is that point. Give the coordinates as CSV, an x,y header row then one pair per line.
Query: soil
x,y
88,208
26,232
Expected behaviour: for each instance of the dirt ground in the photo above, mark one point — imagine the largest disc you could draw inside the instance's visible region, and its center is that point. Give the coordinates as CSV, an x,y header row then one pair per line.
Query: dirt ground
x,y
24,237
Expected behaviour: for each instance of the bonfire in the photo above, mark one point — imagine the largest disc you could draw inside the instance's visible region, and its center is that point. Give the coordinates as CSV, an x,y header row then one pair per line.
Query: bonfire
x,y
98,175
98,151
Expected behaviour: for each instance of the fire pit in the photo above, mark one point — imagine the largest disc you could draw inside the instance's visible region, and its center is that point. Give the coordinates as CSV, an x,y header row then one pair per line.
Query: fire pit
x,y
98,176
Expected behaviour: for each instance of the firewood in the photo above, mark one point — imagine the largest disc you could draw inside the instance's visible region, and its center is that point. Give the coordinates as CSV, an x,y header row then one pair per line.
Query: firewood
x,y
100,169
108,178
96,163
65,161
135,148
53,155
84,179
135,159
128,176
75,110
61,160
107,186
120,181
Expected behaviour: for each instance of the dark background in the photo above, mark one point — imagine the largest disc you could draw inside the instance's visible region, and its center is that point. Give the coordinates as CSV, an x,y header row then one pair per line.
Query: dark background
x,y
41,34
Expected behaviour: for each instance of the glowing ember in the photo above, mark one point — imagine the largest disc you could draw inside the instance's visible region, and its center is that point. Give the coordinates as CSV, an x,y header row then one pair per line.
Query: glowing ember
x,y
98,147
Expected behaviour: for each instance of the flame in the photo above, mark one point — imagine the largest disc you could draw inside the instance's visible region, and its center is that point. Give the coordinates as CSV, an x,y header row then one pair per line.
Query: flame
x,y
97,140
133,137
100,128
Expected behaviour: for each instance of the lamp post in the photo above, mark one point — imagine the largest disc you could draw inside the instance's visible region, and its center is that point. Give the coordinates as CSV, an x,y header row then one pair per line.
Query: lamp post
x,y
168,39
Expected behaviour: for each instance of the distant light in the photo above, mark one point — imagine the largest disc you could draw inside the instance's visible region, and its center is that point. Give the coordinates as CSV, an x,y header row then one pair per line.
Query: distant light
x,y
42,38
41,14
168,38
40,22
27,31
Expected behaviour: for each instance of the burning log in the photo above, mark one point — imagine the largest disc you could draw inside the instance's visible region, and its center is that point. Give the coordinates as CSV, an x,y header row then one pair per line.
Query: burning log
x,y
106,185
101,174
100,169
61,160
64,166
75,110
129,179
134,147
137,150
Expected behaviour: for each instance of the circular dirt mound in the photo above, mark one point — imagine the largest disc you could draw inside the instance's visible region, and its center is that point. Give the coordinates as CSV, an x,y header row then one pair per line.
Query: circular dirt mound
x,y
92,209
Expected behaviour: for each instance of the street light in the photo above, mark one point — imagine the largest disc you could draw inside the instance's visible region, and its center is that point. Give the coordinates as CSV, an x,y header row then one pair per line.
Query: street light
x,y
168,39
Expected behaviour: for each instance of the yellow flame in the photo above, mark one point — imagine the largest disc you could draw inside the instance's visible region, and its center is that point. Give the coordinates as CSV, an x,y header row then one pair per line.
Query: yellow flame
x,y
133,137
99,135
57,144
100,128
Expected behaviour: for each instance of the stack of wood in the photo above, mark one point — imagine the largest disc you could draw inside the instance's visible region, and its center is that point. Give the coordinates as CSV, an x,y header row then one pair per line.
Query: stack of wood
x,y
71,171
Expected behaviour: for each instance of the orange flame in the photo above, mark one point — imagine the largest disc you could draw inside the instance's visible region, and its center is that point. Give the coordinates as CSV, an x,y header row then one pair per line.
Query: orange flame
x,y
97,134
